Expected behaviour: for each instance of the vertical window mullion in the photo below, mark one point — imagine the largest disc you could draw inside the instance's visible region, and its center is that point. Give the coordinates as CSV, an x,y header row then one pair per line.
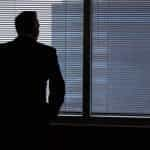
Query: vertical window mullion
x,y
86,58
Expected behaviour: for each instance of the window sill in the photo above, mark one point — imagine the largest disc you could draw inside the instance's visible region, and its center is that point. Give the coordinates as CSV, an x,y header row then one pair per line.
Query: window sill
x,y
102,121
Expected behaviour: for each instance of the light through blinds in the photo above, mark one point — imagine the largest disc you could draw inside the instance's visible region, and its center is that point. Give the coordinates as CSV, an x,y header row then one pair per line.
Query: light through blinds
x,y
121,56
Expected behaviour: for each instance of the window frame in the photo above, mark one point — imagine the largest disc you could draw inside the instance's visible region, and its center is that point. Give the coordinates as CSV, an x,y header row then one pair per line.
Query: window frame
x,y
86,118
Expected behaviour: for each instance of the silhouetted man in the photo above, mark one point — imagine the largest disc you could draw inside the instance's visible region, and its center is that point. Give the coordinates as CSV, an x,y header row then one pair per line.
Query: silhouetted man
x,y
26,66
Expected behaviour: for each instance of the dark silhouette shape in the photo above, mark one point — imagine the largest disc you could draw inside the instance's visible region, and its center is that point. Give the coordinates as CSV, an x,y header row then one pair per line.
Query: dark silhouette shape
x,y
26,66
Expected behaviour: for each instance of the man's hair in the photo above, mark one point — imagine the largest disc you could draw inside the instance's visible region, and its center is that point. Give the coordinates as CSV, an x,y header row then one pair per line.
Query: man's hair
x,y
25,22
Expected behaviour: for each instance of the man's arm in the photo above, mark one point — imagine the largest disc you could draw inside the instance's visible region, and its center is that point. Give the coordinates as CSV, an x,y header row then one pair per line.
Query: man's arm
x,y
56,85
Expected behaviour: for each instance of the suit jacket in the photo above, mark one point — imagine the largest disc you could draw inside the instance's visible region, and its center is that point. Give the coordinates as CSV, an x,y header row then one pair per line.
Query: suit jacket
x,y
25,68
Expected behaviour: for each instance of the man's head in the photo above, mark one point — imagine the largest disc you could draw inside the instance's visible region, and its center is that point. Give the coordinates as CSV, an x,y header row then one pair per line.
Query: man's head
x,y
27,24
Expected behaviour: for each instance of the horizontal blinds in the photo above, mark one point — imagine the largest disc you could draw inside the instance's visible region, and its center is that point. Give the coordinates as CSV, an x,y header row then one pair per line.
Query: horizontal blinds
x,y
61,27
67,31
7,15
121,56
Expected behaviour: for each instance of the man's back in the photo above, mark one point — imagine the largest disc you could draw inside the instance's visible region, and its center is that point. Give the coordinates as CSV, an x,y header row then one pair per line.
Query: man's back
x,y
26,66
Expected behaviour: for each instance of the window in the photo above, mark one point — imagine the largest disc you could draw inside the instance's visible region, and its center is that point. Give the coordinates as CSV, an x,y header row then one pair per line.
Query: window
x,y
103,49
67,37
60,26
121,57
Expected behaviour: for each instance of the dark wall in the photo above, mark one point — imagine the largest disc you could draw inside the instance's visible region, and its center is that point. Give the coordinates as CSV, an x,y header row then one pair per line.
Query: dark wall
x,y
94,138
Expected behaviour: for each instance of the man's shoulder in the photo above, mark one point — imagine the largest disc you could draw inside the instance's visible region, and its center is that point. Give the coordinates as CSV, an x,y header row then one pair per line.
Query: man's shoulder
x,y
46,48
5,45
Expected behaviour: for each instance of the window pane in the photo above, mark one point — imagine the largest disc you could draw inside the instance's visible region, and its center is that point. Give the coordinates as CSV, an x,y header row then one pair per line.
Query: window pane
x,y
121,56
67,32
61,27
